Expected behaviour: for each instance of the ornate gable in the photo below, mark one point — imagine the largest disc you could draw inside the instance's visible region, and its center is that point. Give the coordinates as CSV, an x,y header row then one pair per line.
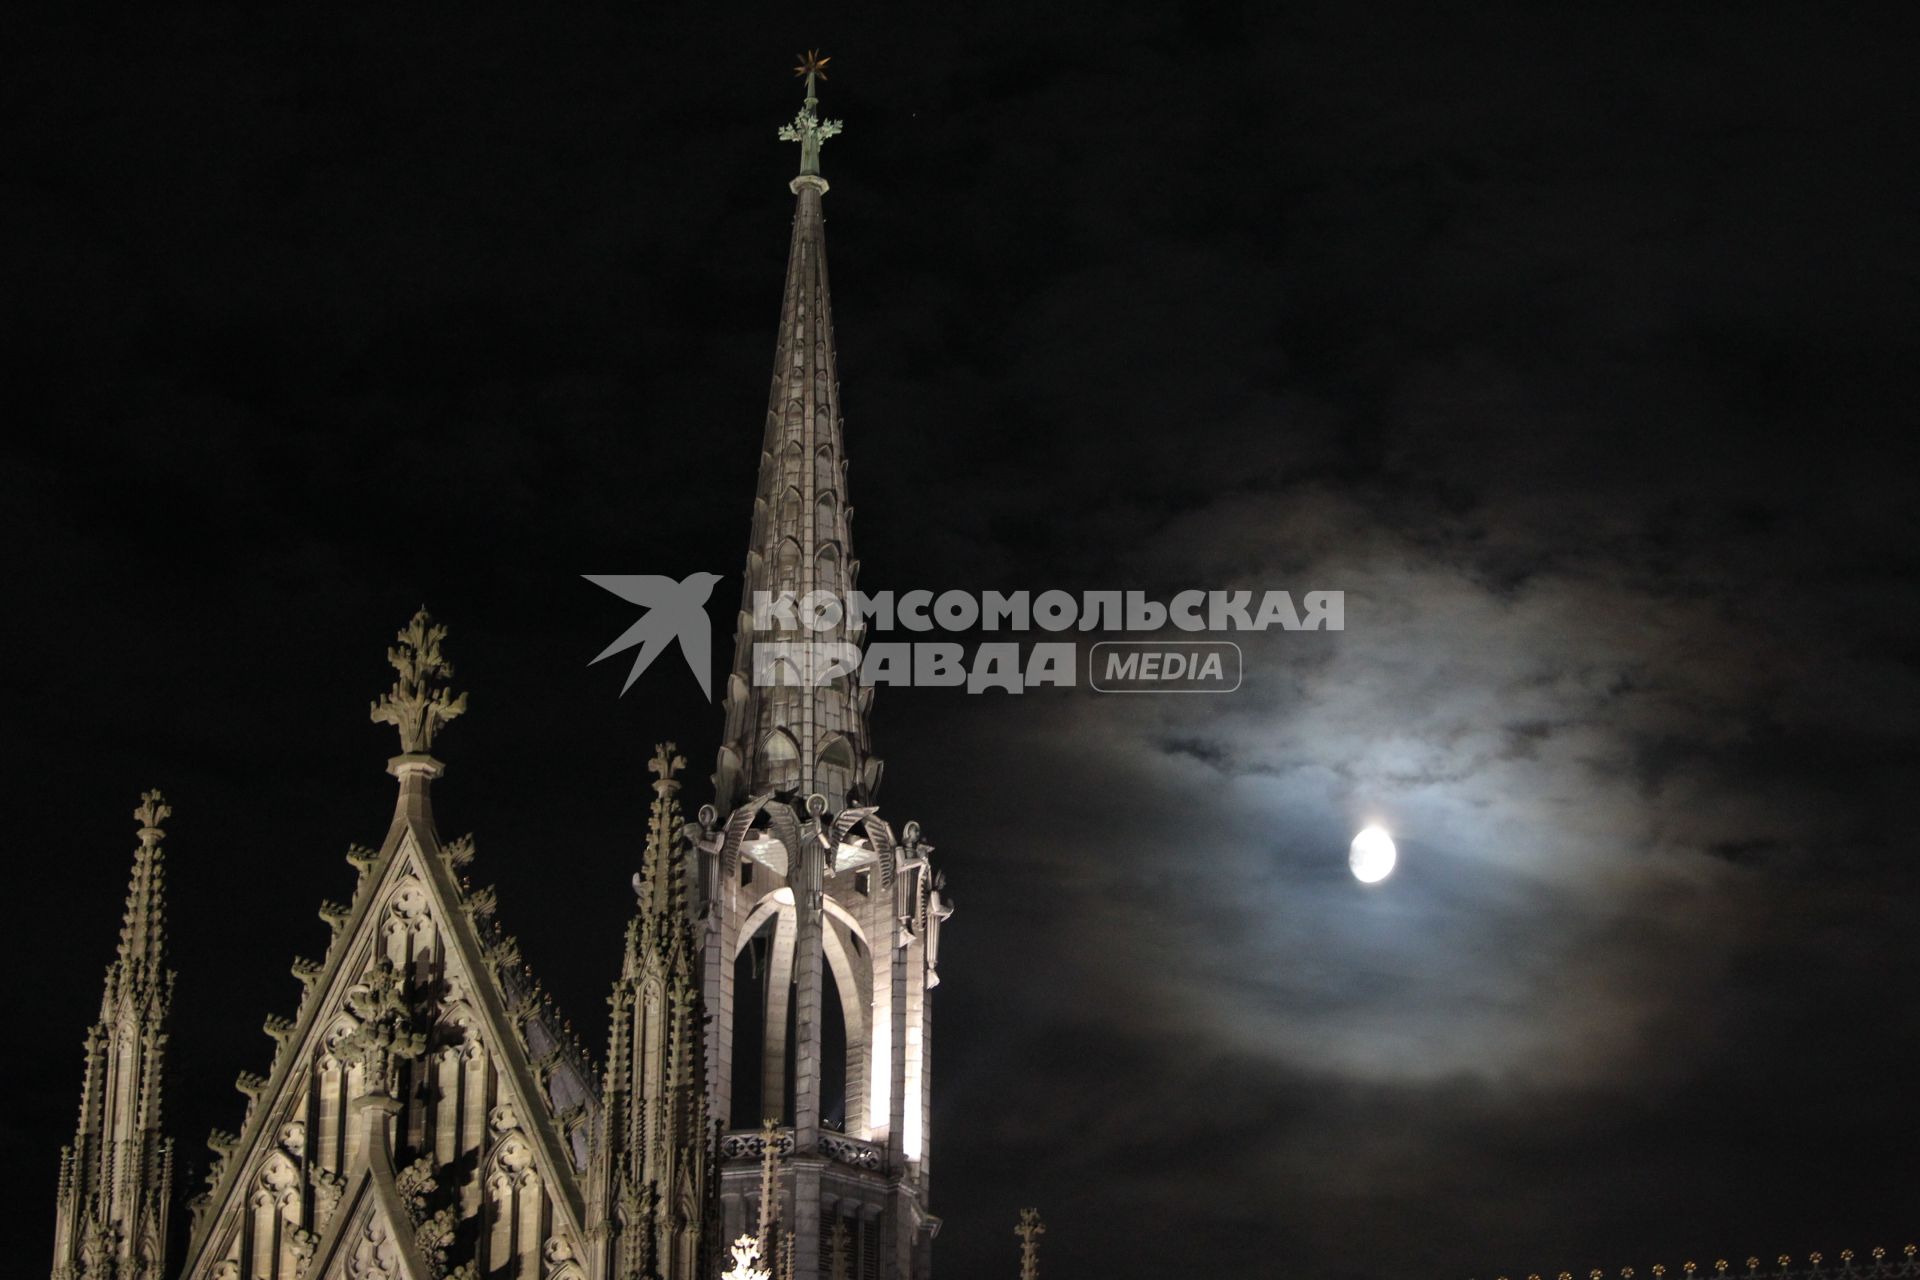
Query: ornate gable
x,y
421,1044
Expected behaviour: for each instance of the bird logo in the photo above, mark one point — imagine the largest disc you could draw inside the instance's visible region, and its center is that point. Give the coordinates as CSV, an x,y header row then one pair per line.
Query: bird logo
x,y
674,611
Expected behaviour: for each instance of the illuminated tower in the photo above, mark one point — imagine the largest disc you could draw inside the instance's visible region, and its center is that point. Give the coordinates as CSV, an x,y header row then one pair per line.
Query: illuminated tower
x,y
821,925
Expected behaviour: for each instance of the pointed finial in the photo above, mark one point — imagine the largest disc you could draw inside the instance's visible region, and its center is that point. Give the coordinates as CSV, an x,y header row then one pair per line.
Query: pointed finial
x,y
153,811
808,129
143,923
1030,1230
419,702
667,761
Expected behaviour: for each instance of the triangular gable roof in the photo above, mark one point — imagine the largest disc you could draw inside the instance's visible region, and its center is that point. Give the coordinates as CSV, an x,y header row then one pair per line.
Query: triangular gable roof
x,y
413,877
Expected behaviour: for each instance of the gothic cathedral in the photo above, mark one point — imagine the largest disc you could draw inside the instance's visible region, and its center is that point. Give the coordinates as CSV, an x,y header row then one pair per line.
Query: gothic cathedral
x,y
764,1109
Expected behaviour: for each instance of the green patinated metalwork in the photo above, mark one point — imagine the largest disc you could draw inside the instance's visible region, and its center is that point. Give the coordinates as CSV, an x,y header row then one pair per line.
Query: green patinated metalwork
x,y
808,129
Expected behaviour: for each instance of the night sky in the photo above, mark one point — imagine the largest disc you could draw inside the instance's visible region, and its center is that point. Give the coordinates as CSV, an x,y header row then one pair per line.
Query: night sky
x,y
1577,347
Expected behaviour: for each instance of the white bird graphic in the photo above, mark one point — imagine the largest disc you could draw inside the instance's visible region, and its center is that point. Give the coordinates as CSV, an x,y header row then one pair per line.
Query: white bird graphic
x,y
674,611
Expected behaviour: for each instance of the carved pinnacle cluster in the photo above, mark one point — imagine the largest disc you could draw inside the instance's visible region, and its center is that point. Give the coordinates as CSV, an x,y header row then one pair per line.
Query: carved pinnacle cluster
x,y
652,1153
658,884
116,1177
419,702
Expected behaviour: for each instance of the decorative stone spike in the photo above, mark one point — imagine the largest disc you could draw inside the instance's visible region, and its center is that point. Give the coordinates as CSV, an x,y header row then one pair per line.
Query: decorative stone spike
x,y
419,702
252,1084
335,914
459,852
362,858
483,902
1030,1229
281,1029
222,1143
307,971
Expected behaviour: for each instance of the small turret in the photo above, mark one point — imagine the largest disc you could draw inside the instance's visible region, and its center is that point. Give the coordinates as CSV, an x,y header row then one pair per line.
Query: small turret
x,y
115,1179
650,1175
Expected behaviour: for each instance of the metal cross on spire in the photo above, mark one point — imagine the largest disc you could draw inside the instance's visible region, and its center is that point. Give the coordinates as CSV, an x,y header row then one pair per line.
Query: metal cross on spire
x,y
808,129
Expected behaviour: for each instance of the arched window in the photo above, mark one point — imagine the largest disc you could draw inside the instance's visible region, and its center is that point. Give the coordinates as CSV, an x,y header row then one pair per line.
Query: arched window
x,y
786,566
834,774
826,475
780,760
826,569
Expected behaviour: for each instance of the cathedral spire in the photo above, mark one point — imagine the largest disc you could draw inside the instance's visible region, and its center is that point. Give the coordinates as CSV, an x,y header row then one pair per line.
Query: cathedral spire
x,y
110,1219
796,719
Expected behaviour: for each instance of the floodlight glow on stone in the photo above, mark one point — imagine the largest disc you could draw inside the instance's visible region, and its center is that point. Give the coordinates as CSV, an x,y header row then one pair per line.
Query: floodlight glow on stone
x,y
1372,855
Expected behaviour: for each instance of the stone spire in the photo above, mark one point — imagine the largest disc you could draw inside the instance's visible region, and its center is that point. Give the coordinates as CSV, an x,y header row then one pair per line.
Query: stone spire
x,y
820,925
796,721
650,1175
110,1218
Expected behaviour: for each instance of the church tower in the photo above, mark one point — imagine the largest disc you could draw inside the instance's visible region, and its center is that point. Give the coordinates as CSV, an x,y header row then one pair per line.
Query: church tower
x,y
110,1216
821,924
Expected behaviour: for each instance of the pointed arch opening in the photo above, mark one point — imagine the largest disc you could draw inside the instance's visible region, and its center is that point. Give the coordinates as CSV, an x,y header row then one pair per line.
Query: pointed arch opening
x,y
786,565
826,471
780,760
833,772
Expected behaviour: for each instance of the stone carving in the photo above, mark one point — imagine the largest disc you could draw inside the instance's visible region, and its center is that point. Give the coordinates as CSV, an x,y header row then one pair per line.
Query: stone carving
x,y
373,1255
434,1236
416,1183
302,1243
419,702
387,1034
327,1190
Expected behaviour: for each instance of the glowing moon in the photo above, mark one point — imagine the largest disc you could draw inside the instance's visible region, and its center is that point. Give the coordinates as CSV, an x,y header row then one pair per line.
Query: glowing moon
x,y
1372,855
